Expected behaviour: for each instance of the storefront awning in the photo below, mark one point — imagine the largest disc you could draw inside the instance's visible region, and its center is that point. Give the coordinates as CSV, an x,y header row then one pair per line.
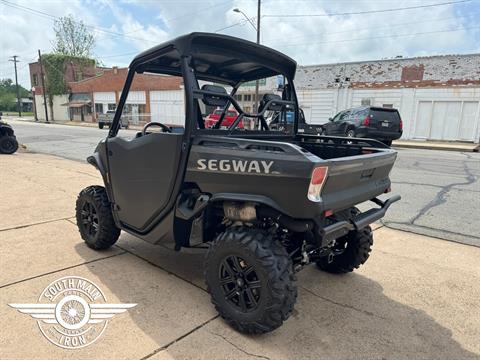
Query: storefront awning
x,y
77,104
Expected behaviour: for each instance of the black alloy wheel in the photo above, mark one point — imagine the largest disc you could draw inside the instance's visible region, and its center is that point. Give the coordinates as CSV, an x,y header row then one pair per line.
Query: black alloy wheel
x,y
89,218
240,283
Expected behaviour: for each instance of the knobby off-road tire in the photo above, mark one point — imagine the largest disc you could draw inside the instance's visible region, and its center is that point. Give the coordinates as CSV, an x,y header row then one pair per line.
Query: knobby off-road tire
x,y
359,245
269,271
94,218
8,144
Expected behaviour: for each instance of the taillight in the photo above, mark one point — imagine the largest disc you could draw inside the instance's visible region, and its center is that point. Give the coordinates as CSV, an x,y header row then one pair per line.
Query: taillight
x,y
366,121
319,175
401,125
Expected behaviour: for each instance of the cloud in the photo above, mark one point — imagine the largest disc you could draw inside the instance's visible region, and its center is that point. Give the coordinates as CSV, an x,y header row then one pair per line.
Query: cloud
x,y
309,40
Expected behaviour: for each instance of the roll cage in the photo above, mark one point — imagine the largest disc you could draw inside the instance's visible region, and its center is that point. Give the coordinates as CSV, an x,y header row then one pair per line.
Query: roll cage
x,y
218,59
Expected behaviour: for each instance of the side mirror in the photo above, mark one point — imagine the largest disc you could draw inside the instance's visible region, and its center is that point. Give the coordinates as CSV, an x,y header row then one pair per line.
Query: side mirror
x,y
330,119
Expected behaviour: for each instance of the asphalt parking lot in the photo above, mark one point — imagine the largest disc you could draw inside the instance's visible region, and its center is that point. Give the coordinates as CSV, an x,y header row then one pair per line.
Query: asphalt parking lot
x,y
440,189
417,297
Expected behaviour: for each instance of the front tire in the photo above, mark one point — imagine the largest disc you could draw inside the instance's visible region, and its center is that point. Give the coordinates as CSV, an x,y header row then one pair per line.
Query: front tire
x,y
94,218
250,278
357,245
8,144
100,125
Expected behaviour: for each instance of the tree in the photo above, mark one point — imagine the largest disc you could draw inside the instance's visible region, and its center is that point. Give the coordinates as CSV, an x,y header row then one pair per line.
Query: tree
x,y
8,94
72,37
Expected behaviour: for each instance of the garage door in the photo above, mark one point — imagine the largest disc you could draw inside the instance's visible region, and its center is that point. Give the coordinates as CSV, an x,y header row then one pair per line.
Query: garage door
x,y
447,120
167,107
317,105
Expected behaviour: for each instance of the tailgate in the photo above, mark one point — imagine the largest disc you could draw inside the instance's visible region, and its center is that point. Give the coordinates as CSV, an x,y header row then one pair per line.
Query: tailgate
x,y
386,120
352,180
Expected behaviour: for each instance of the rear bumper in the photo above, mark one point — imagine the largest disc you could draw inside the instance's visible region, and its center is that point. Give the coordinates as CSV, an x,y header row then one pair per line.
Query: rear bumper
x,y
364,132
360,221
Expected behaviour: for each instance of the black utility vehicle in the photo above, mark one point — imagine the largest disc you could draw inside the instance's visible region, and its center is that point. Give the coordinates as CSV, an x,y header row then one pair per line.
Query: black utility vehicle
x,y
378,123
267,202
8,140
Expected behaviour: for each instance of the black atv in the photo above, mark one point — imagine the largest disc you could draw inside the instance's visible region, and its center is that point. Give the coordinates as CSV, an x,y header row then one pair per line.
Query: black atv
x,y
267,202
8,140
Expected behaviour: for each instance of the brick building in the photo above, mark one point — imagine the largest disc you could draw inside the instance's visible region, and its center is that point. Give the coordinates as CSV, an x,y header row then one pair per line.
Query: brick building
x,y
71,72
438,96
150,96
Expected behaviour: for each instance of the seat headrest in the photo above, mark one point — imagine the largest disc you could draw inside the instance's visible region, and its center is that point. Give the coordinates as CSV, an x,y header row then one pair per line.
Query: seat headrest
x,y
273,106
211,99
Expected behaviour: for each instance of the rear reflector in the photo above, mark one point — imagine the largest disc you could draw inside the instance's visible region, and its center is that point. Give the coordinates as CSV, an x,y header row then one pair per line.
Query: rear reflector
x,y
401,125
328,213
366,121
319,175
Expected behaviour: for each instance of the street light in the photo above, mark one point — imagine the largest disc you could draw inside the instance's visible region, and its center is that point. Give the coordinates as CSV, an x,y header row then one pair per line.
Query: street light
x,y
257,29
237,10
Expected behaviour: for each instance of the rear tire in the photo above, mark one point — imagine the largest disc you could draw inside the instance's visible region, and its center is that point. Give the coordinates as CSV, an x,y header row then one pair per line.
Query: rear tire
x,y
250,278
8,144
357,251
100,125
94,218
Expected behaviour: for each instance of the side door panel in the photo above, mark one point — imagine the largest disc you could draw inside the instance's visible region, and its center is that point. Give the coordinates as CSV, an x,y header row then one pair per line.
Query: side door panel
x,y
143,172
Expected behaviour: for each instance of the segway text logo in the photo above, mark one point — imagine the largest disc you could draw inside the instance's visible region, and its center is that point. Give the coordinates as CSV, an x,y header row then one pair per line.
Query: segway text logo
x,y
252,166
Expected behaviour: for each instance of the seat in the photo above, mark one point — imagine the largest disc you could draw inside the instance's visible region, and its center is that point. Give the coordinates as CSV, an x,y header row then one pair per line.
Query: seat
x,y
273,106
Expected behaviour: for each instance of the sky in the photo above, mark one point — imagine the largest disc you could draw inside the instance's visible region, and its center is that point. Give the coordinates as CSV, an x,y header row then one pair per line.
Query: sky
x,y
309,31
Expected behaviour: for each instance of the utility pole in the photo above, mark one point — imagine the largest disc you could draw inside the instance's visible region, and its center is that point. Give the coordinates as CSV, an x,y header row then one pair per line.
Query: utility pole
x,y
43,85
259,6
14,60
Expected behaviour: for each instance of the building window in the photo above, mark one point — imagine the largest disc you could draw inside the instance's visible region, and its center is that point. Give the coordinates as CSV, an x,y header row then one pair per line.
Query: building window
x,y
388,106
247,97
35,79
112,106
99,108
366,102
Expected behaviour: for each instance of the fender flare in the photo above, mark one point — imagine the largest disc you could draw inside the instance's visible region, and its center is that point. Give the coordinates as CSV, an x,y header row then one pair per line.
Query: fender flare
x,y
97,163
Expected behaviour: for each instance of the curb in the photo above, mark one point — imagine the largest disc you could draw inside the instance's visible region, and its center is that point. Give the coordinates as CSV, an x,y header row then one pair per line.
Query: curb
x,y
446,146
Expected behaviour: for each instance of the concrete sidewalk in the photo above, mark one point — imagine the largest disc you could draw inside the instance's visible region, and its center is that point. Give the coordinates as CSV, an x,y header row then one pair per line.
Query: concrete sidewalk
x,y
416,297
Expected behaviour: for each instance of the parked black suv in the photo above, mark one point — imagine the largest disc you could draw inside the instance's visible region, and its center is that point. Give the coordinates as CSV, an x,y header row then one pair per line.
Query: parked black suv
x,y
378,123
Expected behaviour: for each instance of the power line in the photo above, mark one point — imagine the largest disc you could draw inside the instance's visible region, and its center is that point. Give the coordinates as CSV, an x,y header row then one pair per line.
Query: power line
x,y
374,28
118,55
242,22
366,11
53,17
377,37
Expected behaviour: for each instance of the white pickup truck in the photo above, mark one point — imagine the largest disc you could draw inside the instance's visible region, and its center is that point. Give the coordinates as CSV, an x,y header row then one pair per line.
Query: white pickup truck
x,y
107,119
